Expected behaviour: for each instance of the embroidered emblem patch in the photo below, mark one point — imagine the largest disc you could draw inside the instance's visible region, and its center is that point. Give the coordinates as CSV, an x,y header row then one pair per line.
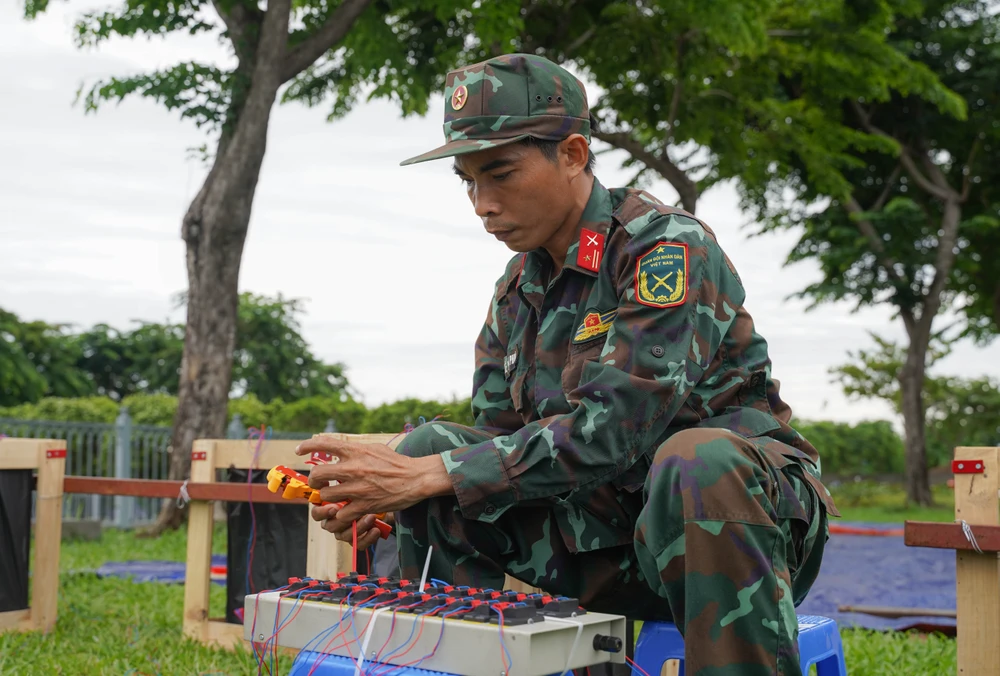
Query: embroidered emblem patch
x,y
459,97
661,275
594,324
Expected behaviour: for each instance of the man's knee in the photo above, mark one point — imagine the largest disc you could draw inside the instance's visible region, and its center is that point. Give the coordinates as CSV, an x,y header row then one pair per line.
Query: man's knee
x,y
433,439
716,474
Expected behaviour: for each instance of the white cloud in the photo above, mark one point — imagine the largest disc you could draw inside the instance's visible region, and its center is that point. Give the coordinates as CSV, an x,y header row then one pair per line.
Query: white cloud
x,y
394,264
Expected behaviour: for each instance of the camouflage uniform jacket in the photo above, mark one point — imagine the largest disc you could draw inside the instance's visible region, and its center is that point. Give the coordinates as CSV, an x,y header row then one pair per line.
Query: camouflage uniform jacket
x,y
582,376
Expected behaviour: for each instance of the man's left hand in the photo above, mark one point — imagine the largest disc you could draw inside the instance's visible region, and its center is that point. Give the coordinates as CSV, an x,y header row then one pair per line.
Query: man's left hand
x,y
373,478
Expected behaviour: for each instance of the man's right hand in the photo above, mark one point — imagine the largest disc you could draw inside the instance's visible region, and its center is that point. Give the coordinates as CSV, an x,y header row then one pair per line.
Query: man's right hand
x,y
368,534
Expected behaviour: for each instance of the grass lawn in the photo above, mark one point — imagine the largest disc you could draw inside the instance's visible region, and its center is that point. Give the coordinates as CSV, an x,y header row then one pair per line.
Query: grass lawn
x,y
121,628
886,503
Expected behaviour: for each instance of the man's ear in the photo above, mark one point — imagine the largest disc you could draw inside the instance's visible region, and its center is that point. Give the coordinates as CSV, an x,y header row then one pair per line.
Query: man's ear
x,y
575,152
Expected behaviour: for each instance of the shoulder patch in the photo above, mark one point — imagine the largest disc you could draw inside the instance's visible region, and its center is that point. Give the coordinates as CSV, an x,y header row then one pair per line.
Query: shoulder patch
x,y
594,324
661,275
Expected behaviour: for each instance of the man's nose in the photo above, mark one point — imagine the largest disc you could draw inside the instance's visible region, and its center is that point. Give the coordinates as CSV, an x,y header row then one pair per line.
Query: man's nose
x,y
486,205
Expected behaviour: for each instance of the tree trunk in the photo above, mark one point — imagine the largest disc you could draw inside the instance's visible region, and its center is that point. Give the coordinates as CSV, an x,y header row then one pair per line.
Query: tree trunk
x,y
214,230
911,381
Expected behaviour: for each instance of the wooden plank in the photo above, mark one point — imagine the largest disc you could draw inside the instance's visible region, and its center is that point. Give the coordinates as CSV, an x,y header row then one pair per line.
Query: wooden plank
x,y
14,620
23,453
950,536
197,576
48,535
153,488
978,575
224,634
240,454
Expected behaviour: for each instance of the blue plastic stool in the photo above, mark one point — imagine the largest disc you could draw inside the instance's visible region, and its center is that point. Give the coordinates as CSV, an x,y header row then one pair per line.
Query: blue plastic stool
x,y
819,644
336,665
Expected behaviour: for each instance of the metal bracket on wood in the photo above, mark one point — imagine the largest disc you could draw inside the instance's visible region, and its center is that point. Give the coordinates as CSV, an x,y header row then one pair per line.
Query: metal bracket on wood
x,y
199,455
967,466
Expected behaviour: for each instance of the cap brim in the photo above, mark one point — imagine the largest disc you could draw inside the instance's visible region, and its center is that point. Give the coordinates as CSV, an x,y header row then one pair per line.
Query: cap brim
x,y
462,147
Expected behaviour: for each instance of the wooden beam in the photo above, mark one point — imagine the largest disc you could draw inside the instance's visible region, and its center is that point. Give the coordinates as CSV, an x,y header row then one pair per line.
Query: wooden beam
x,y
48,534
978,575
153,488
23,453
15,619
197,572
895,612
950,536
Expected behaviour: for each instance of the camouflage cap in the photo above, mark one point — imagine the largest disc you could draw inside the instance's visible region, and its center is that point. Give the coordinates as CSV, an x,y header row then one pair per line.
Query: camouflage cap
x,y
507,99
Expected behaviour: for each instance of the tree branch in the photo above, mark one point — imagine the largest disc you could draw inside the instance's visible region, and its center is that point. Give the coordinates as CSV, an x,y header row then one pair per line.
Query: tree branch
x,y
889,183
329,34
950,220
867,228
967,180
685,187
580,41
943,193
238,19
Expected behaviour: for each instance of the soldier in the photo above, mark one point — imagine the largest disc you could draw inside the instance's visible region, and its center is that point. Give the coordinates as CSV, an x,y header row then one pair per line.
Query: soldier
x,y
630,446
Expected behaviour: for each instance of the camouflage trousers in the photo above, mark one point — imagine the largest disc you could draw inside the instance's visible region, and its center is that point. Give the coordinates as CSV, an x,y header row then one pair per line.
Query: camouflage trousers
x,y
728,542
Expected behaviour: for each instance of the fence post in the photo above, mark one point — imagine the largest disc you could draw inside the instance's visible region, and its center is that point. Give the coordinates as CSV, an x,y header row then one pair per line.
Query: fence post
x,y
124,506
331,427
235,429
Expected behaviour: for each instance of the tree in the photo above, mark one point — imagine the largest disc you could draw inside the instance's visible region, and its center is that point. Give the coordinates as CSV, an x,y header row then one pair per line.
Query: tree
x,y
886,216
271,359
959,412
315,50
37,360
694,92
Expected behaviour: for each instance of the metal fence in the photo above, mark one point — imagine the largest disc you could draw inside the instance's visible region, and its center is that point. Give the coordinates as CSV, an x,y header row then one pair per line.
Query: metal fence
x,y
122,450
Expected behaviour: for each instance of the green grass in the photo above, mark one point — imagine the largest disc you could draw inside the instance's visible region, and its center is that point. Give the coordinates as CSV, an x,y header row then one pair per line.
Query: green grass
x,y
886,503
120,628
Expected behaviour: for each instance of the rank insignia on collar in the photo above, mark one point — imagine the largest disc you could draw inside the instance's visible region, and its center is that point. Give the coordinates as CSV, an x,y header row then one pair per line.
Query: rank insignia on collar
x,y
588,256
594,324
509,362
661,275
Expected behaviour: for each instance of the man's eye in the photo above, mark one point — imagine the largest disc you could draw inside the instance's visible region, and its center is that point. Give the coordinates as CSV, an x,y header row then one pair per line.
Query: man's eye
x,y
502,177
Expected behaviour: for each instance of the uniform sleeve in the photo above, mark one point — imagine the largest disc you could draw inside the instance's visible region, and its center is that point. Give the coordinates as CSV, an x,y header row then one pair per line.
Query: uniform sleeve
x,y
652,359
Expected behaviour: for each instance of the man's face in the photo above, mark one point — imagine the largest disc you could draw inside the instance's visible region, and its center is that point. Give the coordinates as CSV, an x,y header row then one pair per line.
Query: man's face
x,y
522,196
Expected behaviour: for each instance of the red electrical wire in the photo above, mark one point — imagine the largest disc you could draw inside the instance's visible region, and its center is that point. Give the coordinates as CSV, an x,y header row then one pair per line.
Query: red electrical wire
x,y
354,553
635,666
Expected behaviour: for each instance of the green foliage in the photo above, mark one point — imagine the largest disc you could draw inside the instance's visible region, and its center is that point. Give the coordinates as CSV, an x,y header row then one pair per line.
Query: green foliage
x,y
151,409
864,448
272,359
37,360
312,414
925,92
120,363
393,417
83,409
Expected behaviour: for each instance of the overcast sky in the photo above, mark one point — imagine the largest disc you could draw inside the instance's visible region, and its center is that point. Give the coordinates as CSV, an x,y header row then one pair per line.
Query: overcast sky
x,y
394,265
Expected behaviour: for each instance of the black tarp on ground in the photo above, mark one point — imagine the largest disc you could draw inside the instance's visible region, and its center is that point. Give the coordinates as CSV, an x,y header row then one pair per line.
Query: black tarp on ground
x,y
15,536
279,550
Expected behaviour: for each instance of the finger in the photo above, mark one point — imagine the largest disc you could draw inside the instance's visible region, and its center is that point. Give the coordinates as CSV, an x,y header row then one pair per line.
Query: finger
x,y
324,512
322,475
368,539
338,493
351,512
323,444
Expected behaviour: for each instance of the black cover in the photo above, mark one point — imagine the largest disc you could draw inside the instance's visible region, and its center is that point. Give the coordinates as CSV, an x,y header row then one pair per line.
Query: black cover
x,y
15,535
280,545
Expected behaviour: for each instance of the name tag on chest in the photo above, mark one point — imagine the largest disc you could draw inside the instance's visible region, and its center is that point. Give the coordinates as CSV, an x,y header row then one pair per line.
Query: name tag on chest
x,y
509,364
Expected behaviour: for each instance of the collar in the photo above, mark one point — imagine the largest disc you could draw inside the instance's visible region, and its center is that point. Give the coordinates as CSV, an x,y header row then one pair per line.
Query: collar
x,y
587,250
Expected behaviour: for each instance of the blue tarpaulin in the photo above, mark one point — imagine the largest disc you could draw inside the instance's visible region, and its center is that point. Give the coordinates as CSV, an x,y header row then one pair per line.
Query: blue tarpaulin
x,y
881,571
171,572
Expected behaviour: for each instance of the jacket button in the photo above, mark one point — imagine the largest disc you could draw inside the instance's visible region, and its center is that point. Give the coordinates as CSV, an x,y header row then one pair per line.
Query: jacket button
x,y
490,510
657,351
